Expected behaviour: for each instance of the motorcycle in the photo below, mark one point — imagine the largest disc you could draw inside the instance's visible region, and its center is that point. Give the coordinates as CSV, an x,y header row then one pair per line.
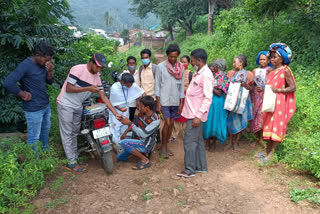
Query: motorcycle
x,y
96,129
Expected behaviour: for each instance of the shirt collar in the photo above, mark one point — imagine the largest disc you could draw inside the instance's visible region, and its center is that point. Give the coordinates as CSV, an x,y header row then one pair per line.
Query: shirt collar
x,y
201,70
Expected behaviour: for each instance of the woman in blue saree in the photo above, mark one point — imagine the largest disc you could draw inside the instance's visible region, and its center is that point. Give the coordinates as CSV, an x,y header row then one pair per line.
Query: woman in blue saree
x,y
216,125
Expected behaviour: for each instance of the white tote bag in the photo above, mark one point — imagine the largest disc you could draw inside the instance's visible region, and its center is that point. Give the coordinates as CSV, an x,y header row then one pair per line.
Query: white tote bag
x,y
243,101
269,100
232,96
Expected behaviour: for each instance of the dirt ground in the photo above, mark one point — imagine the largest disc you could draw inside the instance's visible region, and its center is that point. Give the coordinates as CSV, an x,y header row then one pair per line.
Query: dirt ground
x,y
233,184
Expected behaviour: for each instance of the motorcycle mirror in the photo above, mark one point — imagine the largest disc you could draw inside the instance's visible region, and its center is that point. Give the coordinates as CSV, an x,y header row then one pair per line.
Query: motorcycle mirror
x,y
110,64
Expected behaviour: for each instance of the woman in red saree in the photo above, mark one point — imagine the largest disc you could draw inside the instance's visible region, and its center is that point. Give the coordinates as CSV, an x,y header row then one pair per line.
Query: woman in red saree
x,y
284,85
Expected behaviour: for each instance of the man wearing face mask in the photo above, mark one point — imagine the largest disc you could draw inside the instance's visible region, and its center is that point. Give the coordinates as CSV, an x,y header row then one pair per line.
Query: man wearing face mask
x,y
121,94
82,81
196,108
132,65
146,73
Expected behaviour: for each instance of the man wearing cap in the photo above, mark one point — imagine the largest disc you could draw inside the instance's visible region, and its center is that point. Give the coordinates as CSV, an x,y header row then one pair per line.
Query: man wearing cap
x,y
82,81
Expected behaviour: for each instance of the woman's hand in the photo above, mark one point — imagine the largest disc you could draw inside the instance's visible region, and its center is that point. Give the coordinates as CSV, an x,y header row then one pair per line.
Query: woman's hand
x,y
259,89
275,90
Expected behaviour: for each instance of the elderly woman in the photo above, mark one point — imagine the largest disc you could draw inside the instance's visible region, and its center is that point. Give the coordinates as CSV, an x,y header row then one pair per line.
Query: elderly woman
x,y
238,122
216,125
284,85
260,76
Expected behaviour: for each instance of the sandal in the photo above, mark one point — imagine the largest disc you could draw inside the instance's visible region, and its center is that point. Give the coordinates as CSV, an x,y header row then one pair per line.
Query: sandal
x,y
75,168
259,155
164,155
83,164
263,161
141,165
172,139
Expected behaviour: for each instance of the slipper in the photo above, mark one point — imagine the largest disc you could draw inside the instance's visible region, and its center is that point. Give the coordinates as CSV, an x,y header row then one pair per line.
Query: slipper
x,y
140,165
172,139
83,164
75,168
170,153
263,161
164,155
259,155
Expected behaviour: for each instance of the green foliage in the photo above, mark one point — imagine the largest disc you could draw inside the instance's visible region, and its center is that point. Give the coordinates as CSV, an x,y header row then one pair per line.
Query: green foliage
x,y
311,194
238,32
21,174
23,24
147,195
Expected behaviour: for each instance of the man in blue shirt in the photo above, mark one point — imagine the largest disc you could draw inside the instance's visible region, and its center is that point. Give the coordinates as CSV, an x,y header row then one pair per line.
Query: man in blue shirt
x,y
33,74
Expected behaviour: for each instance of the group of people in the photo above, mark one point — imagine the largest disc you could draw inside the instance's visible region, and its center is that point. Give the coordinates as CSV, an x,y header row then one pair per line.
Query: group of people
x,y
191,103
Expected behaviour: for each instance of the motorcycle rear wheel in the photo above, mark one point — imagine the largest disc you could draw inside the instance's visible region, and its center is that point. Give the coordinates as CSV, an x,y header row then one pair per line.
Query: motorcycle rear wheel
x,y
107,162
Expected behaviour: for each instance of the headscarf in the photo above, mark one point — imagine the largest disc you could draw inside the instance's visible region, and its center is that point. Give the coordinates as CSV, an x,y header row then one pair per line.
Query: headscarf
x,y
221,78
283,50
259,54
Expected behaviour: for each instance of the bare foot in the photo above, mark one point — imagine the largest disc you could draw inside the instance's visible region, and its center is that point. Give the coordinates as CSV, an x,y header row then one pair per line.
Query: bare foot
x,y
260,142
227,147
212,147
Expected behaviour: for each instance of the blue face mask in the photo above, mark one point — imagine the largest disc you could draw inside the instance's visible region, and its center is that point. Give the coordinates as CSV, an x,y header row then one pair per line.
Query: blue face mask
x,y
132,67
125,87
145,61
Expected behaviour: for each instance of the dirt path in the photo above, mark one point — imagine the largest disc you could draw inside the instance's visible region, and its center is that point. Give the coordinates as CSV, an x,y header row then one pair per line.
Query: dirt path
x,y
232,185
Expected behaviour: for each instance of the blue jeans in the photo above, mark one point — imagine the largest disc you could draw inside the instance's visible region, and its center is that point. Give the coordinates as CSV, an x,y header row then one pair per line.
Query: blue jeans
x,y
39,123
128,146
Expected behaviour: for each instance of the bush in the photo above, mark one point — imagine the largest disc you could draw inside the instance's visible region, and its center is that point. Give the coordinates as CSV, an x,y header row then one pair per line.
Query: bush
x,y
21,174
238,33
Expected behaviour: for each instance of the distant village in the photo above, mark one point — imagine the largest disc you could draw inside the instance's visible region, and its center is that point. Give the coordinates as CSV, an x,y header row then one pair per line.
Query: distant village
x,y
154,36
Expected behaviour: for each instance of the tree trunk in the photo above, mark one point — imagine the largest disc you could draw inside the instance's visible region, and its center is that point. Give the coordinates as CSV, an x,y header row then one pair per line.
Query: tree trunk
x,y
171,33
212,5
189,30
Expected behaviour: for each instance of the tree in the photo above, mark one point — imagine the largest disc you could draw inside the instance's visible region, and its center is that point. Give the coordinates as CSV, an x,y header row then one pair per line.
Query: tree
x,y
212,5
125,35
183,12
136,26
108,20
23,24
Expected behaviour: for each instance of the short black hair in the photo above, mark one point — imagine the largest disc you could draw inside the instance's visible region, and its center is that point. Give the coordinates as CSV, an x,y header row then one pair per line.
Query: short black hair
x,y
131,57
200,54
42,49
145,51
173,48
242,58
187,57
127,78
148,101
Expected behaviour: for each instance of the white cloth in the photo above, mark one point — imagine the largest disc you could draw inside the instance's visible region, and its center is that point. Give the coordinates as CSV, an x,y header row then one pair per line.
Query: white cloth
x,y
135,76
121,97
269,99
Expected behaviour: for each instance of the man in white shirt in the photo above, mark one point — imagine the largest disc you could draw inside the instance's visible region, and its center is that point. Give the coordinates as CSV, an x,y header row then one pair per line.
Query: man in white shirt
x,y
132,69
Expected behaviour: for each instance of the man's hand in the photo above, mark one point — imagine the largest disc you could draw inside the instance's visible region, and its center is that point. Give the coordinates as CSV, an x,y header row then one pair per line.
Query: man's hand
x,y
118,116
49,66
158,110
93,89
125,121
123,109
179,109
196,122
123,136
259,89
26,96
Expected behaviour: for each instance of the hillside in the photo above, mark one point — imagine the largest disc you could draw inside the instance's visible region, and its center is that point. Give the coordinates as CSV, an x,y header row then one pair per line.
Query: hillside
x,y
90,14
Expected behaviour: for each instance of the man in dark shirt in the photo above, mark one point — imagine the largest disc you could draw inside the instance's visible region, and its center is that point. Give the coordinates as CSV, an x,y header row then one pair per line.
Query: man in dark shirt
x,y
33,74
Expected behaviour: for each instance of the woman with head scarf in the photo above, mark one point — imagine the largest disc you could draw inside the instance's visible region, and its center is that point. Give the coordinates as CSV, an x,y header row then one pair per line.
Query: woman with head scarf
x,y
238,122
216,125
284,85
259,75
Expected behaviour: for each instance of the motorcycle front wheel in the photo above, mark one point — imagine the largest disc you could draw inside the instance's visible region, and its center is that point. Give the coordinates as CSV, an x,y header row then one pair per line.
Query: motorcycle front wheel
x,y
107,162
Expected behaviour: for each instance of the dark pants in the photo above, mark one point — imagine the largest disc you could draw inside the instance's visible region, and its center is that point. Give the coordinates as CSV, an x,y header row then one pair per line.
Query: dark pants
x,y
132,110
194,150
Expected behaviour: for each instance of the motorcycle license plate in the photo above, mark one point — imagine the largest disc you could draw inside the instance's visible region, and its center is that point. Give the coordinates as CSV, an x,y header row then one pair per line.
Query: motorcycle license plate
x,y
105,131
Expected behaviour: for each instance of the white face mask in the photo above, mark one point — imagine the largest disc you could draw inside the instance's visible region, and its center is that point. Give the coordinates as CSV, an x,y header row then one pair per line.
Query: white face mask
x,y
196,67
